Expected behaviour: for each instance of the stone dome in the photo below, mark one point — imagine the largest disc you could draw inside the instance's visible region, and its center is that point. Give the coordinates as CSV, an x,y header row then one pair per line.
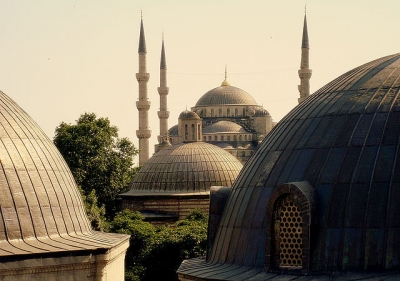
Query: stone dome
x,y
188,115
223,127
226,95
335,158
261,112
41,210
185,168
173,131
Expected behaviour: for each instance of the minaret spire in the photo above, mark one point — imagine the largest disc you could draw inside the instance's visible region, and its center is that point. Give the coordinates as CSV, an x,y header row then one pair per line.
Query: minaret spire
x,y
143,104
225,82
304,72
163,90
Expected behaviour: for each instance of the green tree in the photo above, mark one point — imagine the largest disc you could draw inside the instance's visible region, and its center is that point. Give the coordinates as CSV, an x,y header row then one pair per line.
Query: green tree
x,y
98,159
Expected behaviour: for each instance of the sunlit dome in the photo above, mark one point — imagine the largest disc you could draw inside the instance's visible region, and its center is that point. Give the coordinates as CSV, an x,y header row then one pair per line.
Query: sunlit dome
x,y
226,95
185,168
41,210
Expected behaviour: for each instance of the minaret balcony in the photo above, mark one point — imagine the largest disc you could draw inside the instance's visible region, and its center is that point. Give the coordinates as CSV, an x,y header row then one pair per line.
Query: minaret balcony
x,y
163,90
163,114
305,73
142,77
143,134
143,105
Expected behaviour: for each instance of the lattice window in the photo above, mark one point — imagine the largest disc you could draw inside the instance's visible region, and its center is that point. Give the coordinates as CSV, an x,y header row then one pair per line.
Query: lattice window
x,y
288,235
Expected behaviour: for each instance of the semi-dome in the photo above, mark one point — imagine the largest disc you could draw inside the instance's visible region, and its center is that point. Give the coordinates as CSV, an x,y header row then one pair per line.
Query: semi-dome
x,y
223,127
185,168
41,210
188,115
226,95
321,194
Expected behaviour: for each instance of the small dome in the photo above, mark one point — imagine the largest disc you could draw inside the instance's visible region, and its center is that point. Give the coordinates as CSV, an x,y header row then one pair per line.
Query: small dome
x,y
173,131
41,210
188,115
226,95
223,127
185,168
261,112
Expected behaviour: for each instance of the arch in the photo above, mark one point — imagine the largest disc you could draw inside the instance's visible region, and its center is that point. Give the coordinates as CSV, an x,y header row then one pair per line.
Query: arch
x,y
198,132
235,137
244,111
220,112
288,222
186,132
240,137
236,112
193,132
215,138
209,138
228,138
212,112
204,138
228,112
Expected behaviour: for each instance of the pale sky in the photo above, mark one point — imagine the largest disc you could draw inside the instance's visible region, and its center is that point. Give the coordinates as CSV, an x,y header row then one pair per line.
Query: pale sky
x,y
61,58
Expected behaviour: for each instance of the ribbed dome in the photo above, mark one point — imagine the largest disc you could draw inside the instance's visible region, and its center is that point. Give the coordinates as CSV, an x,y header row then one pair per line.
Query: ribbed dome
x,y
223,127
188,115
38,195
185,168
226,95
343,143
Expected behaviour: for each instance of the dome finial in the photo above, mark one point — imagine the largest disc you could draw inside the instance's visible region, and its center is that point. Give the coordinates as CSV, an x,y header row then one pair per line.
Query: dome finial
x,y
225,82
305,9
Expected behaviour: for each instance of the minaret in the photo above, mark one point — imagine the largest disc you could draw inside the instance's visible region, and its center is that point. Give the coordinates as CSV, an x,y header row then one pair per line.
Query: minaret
x,y
163,90
143,104
304,71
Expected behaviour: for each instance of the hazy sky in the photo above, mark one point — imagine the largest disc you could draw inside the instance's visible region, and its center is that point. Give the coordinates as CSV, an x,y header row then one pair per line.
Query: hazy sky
x,y
61,58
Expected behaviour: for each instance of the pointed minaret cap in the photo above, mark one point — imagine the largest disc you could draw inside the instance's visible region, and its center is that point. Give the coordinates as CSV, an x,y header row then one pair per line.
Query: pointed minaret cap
x,y
163,63
225,82
304,42
142,40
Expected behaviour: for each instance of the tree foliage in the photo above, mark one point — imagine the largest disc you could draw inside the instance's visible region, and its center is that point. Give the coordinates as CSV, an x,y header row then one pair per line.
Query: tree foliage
x,y
155,253
98,159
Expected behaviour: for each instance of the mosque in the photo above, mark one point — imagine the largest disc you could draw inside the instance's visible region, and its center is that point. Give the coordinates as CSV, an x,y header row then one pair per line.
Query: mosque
x,y
319,199
206,148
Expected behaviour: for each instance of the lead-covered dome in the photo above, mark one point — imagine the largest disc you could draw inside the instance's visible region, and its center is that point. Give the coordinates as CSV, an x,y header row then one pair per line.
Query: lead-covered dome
x,y
185,168
321,194
226,95
41,210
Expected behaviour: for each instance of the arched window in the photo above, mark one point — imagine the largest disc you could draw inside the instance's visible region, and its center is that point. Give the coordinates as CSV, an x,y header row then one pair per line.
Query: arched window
x,y
212,112
240,137
193,132
245,137
288,221
244,111
204,138
186,132
229,138
209,138
235,137
228,112
220,112
198,131
215,138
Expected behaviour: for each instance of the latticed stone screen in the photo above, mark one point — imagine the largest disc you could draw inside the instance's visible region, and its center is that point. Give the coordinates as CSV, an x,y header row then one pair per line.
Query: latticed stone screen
x,y
289,230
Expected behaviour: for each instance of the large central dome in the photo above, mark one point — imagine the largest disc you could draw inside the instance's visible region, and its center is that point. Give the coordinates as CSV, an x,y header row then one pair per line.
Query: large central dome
x,y
226,95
